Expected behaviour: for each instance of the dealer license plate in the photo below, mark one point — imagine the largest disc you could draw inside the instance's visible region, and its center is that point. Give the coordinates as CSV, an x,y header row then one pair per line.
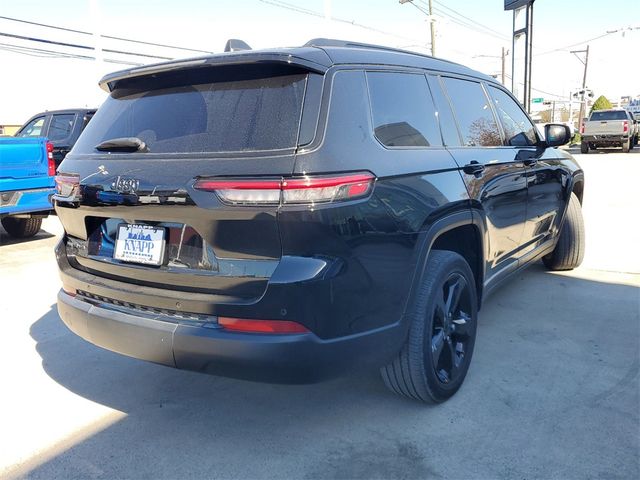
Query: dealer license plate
x,y
140,244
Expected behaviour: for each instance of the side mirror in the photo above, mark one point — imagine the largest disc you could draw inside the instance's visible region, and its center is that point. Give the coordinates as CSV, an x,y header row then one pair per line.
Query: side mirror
x,y
556,134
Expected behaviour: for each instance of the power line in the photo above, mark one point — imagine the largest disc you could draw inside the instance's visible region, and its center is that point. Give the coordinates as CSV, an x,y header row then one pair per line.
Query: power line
x,y
45,53
83,47
305,11
111,37
577,44
474,22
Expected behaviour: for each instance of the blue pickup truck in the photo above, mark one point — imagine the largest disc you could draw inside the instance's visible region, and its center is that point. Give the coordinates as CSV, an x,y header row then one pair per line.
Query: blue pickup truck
x,y
27,172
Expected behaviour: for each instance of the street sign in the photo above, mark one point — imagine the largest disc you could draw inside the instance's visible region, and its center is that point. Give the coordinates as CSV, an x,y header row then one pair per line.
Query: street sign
x,y
537,100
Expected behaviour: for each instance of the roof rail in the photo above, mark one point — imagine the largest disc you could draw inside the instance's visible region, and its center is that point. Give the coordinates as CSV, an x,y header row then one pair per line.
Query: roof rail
x,y
332,42
235,45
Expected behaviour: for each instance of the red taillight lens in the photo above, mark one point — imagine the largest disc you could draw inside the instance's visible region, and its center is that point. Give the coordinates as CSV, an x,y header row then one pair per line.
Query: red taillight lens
x,y
261,326
326,189
50,162
291,191
67,185
581,129
625,126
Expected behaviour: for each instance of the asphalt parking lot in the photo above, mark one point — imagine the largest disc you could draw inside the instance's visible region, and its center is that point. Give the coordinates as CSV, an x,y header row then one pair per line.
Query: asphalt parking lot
x,y
553,390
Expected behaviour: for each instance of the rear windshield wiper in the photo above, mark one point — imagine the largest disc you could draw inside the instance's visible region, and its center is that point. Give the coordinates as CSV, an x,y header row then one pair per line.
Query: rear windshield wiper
x,y
125,144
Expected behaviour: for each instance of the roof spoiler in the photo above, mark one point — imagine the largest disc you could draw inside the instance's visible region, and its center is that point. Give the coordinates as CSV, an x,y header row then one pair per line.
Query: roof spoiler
x,y
235,45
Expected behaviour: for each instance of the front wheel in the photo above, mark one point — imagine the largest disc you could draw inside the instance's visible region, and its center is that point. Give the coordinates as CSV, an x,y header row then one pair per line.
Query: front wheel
x,y
434,360
569,250
22,227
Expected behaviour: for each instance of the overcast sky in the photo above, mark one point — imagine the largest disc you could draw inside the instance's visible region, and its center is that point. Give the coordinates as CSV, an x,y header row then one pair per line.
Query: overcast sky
x,y
471,32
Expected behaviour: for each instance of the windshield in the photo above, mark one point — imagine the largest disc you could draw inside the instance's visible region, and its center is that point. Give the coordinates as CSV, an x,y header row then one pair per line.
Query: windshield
x,y
609,115
222,116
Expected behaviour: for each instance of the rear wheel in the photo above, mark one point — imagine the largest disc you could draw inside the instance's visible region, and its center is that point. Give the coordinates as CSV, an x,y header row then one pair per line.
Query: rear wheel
x,y
584,147
22,227
434,360
626,146
569,250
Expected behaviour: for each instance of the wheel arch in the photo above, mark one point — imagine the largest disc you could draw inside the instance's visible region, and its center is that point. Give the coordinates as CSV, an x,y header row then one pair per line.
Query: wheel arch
x,y
462,232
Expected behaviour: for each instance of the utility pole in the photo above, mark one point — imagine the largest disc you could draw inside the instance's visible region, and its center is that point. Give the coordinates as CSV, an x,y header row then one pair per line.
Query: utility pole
x,y
433,30
504,56
584,82
431,22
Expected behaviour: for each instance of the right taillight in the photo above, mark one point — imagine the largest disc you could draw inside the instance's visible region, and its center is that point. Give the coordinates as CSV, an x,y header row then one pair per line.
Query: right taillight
x,y
625,126
306,190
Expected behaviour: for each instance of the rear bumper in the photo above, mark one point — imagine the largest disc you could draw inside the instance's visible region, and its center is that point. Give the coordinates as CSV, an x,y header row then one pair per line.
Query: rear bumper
x,y
606,140
298,358
16,202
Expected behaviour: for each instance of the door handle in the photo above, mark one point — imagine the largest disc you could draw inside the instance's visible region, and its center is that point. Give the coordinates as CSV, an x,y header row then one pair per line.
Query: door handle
x,y
473,168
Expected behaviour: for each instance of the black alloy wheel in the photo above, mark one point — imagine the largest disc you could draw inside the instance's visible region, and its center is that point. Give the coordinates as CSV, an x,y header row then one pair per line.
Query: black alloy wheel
x,y
449,333
435,357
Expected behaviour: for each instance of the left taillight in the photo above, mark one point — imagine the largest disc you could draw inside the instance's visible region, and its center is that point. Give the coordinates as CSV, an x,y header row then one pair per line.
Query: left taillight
x,y
306,190
67,186
50,161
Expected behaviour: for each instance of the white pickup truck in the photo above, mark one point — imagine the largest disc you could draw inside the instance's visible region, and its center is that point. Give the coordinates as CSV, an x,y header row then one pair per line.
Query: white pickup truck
x,y
609,128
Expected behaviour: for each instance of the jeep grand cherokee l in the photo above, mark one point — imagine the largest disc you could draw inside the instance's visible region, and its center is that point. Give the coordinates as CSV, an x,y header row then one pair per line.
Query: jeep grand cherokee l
x,y
287,215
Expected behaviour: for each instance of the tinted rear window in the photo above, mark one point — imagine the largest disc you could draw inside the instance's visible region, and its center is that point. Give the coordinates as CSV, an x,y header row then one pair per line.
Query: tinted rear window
x,y
403,111
222,116
615,115
61,126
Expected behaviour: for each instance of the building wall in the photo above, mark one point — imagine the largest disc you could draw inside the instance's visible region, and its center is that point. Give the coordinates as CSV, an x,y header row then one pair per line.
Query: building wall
x,y
9,130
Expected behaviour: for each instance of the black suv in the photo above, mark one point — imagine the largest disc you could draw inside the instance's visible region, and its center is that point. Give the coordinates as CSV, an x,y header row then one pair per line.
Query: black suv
x,y
285,215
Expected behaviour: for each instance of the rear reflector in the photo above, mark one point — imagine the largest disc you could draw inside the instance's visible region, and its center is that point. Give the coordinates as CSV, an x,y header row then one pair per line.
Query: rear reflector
x,y
261,326
51,164
290,191
69,291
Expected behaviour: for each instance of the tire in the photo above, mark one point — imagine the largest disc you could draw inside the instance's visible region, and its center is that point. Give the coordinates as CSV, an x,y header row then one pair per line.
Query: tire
x,y
626,146
22,227
584,147
418,371
569,250
632,143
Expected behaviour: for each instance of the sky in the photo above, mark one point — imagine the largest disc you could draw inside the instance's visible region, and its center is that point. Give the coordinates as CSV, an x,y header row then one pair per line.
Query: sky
x,y
471,32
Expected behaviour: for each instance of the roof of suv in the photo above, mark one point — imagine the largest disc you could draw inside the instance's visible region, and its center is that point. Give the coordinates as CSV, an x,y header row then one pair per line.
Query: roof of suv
x,y
66,111
316,55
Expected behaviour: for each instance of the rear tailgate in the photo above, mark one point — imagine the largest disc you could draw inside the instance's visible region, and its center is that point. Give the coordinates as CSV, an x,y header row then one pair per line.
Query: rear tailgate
x,y
227,124
604,127
23,157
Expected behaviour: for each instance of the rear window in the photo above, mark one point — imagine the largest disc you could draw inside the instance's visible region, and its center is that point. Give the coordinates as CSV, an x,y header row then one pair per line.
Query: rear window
x,y
253,114
61,126
615,115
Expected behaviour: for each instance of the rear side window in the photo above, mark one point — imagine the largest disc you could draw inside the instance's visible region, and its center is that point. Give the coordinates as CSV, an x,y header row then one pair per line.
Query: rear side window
x,y
611,115
60,126
473,112
33,128
518,129
403,111
254,114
